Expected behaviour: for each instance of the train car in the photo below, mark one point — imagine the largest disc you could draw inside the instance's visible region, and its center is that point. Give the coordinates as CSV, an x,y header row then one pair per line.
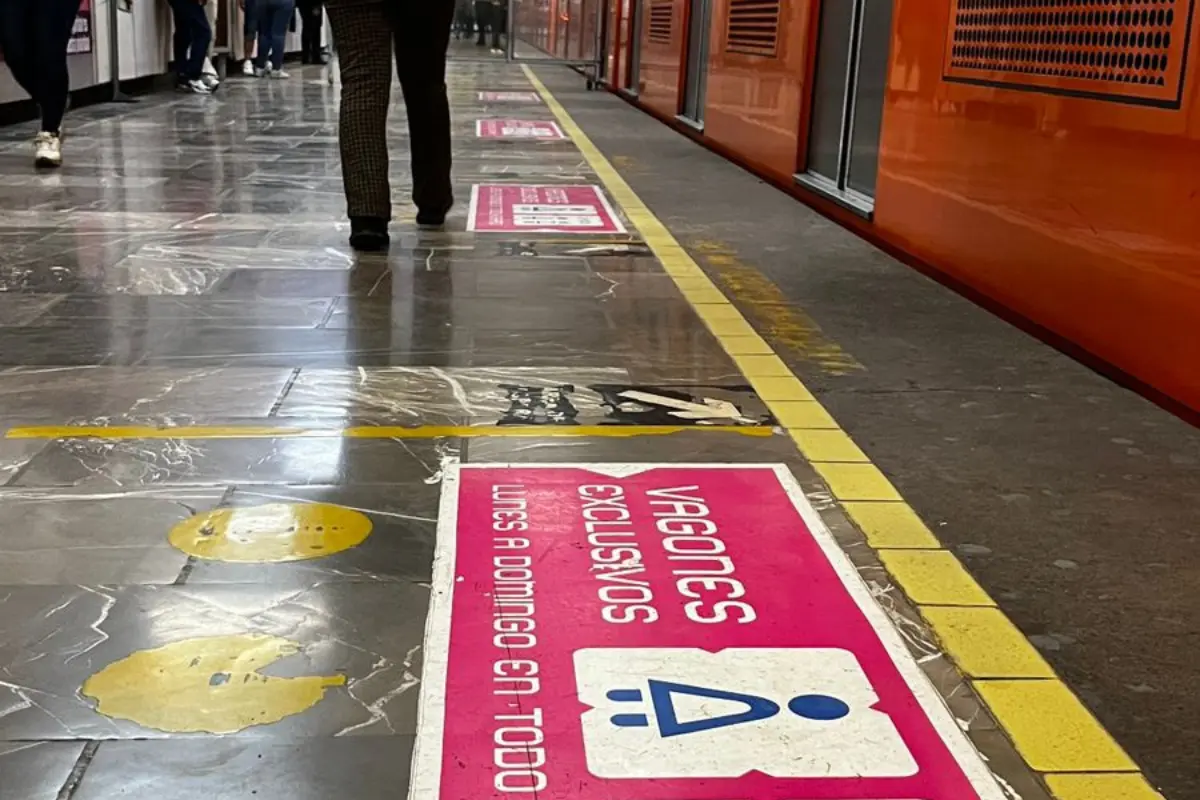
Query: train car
x,y
1045,154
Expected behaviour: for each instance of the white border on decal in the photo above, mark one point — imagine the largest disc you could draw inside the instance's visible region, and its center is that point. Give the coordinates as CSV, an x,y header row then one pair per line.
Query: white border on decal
x,y
969,759
473,207
425,782
478,129
939,715
600,198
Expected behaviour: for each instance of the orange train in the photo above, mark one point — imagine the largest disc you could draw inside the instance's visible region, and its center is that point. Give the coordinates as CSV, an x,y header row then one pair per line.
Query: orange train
x,y
1044,154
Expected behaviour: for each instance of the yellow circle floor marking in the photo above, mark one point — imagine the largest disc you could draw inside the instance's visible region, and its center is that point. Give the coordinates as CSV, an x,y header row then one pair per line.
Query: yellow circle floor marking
x,y
272,533
210,685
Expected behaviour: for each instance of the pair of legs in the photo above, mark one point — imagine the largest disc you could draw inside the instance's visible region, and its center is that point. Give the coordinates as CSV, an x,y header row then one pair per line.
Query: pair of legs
x,y
483,19
33,36
193,35
249,27
274,16
368,33
312,20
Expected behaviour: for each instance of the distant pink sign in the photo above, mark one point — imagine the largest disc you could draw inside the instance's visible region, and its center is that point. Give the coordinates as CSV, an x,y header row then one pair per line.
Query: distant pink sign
x,y
517,129
522,208
509,97
617,632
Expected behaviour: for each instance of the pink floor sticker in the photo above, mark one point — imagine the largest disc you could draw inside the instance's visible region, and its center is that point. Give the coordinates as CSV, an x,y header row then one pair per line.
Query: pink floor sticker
x,y
617,632
517,129
509,97
519,208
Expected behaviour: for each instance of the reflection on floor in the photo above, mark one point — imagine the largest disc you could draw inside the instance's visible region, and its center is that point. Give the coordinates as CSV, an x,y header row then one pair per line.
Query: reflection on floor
x,y
239,610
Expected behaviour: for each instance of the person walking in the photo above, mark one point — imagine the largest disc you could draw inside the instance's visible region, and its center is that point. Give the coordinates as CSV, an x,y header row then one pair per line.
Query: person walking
x,y
312,20
483,20
192,37
274,18
368,33
208,70
34,35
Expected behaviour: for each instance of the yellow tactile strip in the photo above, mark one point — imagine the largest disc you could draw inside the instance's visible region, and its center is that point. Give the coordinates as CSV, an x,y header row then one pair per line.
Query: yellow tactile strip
x,y
1049,726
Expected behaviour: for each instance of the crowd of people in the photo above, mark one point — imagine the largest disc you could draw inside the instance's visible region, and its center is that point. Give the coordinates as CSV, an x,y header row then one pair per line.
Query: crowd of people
x,y
372,35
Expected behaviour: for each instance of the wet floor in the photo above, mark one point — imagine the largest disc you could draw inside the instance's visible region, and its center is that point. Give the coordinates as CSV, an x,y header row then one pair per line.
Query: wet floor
x,y
229,436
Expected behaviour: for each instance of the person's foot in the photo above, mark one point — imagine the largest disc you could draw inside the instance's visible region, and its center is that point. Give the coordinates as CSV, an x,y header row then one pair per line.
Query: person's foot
x,y
369,234
193,87
261,72
211,81
248,68
279,74
434,217
48,150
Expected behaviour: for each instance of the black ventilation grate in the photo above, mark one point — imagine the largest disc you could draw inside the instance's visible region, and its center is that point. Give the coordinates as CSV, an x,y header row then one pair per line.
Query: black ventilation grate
x,y
662,19
753,27
1120,49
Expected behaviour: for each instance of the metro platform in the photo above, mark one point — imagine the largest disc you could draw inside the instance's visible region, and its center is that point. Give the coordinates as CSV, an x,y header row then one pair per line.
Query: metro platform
x,y
282,521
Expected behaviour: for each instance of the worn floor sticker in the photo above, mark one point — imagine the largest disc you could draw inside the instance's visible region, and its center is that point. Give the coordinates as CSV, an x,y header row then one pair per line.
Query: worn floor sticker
x,y
637,632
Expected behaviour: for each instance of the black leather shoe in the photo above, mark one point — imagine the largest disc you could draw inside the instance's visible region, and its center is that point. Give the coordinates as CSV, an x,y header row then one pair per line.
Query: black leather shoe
x,y
434,218
369,234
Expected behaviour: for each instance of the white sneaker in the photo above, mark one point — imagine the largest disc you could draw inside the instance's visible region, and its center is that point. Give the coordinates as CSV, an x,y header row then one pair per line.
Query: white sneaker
x,y
248,68
48,149
194,87
211,81
280,74
262,73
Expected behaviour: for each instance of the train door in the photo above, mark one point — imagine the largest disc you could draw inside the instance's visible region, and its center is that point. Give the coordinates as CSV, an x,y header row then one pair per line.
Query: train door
x,y
847,105
696,77
636,8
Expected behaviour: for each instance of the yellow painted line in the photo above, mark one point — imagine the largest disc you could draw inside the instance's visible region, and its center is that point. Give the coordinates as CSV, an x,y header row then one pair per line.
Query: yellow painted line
x,y
934,578
1113,786
373,432
1052,730
891,525
1059,736
986,644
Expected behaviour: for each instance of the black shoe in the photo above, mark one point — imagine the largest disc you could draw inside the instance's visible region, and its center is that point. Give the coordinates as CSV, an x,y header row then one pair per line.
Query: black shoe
x,y
369,234
434,218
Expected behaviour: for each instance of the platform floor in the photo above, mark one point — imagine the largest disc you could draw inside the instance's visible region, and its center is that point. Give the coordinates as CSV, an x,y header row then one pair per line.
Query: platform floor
x,y
232,450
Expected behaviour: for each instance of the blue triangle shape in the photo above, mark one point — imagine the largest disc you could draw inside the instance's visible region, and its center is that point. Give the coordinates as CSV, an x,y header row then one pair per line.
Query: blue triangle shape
x,y
661,693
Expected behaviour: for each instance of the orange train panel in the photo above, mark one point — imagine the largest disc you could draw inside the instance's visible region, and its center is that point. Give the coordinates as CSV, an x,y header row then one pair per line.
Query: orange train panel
x,y
663,51
1078,212
1047,155
759,68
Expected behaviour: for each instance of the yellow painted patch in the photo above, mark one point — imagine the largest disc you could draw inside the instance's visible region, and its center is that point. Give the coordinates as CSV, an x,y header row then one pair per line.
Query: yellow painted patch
x,y
757,366
933,578
210,685
1051,729
857,482
826,445
781,389
891,525
1119,786
272,533
985,644
801,414
746,346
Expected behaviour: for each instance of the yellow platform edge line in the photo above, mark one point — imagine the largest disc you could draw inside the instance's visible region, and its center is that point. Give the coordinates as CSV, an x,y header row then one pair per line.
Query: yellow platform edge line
x,y
373,432
923,574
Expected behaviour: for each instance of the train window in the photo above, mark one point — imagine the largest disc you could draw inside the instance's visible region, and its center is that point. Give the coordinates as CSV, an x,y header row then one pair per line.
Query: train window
x,y
847,107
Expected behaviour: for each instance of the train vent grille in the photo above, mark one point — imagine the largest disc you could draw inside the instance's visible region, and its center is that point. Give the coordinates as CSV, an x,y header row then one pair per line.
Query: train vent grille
x,y
753,27
662,19
1119,50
